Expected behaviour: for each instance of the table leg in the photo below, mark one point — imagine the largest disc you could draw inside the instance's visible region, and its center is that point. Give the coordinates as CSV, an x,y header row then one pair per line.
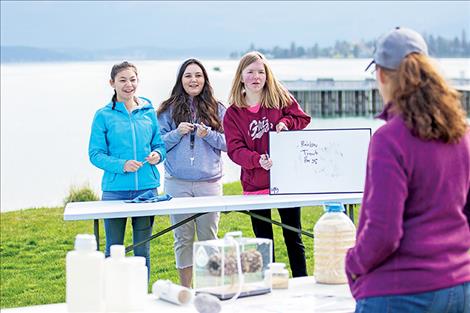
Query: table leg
x,y
96,227
351,211
131,247
265,219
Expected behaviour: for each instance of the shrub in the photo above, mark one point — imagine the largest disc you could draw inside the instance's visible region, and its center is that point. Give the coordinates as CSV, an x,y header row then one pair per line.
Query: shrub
x,y
82,193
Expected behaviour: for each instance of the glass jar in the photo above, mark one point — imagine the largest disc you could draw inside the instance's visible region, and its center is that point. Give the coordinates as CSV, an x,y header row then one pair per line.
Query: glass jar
x,y
277,276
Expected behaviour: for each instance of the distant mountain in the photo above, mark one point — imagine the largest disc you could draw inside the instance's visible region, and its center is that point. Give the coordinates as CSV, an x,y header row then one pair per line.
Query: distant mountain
x,y
458,46
20,54
31,54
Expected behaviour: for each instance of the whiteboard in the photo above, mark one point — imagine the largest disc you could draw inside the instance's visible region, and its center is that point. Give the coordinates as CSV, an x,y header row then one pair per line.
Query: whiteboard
x,y
318,160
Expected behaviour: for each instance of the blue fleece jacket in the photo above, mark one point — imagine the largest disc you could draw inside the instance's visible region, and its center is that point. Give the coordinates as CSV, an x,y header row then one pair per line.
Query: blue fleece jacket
x,y
118,136
207,163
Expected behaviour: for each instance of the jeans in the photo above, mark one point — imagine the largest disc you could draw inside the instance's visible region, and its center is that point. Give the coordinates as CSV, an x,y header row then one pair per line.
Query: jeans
x,y
448,300
141,226
293,240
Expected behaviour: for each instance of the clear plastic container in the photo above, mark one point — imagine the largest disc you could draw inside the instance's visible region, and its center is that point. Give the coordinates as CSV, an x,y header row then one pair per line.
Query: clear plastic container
x,y
277,276
334,234
84,276
216,266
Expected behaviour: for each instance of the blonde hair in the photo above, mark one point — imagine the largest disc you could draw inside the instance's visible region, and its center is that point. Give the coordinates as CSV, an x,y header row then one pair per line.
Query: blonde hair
x,y
274,94
430,107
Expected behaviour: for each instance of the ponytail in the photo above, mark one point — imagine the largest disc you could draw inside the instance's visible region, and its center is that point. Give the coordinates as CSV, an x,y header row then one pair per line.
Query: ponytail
x,y
114,99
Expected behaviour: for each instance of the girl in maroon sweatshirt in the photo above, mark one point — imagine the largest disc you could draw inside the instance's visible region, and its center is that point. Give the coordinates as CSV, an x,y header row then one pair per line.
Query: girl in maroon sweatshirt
x,y
258,104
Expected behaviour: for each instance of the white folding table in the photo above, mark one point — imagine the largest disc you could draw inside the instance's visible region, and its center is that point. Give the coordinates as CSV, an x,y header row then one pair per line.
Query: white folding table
x,y
303,295
95,210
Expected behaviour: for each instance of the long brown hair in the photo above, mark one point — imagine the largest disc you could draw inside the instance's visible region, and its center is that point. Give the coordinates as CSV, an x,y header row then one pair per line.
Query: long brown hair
x,y
274,94
207,107
430,107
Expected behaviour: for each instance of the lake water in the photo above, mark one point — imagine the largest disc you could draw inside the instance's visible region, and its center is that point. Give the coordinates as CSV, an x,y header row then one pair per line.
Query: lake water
x,y
47,110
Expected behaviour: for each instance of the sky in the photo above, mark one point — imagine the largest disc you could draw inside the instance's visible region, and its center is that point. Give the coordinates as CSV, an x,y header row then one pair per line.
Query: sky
x,y
220,25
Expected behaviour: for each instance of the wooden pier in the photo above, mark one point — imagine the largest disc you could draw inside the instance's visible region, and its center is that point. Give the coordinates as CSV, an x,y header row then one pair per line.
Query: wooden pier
x,y
326,97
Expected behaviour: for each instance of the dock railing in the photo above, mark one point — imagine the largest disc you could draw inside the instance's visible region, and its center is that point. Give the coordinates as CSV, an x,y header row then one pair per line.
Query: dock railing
x,y
326,97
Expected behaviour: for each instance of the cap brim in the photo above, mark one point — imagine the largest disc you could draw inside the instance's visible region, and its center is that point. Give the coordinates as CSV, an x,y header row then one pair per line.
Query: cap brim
x,y
370,64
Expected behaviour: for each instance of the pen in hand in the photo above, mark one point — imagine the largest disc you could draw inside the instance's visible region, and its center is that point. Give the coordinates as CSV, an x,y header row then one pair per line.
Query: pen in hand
x,y
265,161
154,156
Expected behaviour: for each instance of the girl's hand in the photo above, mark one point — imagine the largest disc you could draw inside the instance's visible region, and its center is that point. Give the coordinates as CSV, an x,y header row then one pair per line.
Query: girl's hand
x,y
280,127
265,162
153,158
184,128
132,166
202,130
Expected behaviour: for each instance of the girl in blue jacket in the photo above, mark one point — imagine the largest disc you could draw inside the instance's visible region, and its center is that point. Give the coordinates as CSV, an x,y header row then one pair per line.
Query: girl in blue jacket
x,y
125,142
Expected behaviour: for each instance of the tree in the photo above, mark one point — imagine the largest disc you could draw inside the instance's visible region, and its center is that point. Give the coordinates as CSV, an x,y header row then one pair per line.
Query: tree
x,y
465,44
356,51
292,50
315,50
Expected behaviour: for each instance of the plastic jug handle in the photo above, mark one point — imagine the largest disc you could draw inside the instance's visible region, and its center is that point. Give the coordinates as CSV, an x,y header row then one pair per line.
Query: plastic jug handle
x,y
241,278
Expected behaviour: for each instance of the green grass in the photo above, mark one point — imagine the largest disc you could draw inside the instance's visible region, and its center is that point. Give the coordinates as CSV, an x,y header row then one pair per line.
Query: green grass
x,y
34,243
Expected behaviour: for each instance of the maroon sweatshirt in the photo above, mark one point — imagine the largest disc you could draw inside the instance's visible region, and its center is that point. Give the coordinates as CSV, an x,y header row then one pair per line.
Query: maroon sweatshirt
x,y
247,137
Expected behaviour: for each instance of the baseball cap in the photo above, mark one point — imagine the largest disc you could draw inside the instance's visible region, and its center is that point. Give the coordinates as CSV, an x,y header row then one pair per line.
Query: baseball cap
x,y
392,47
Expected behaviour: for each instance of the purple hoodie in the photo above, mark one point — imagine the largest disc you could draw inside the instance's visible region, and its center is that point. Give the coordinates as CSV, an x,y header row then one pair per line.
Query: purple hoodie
x,y
413,235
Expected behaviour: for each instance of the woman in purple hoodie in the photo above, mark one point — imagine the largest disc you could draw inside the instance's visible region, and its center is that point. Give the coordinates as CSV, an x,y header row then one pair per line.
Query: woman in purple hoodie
x,y
413,238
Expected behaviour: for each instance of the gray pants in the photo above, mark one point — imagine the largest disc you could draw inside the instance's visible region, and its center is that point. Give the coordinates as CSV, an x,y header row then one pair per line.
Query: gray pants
x,y
206,225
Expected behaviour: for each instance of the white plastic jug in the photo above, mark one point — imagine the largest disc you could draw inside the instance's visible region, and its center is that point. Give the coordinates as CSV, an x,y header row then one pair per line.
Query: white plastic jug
x,y
84,276
334,234
118,281
138,281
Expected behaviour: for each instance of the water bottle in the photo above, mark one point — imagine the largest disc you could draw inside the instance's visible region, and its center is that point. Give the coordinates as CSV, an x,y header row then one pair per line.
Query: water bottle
x,y
334,234
84,276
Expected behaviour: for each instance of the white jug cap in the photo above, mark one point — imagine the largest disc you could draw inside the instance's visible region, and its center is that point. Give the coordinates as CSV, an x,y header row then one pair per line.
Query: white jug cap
x,y
277,266
85,242
118,251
